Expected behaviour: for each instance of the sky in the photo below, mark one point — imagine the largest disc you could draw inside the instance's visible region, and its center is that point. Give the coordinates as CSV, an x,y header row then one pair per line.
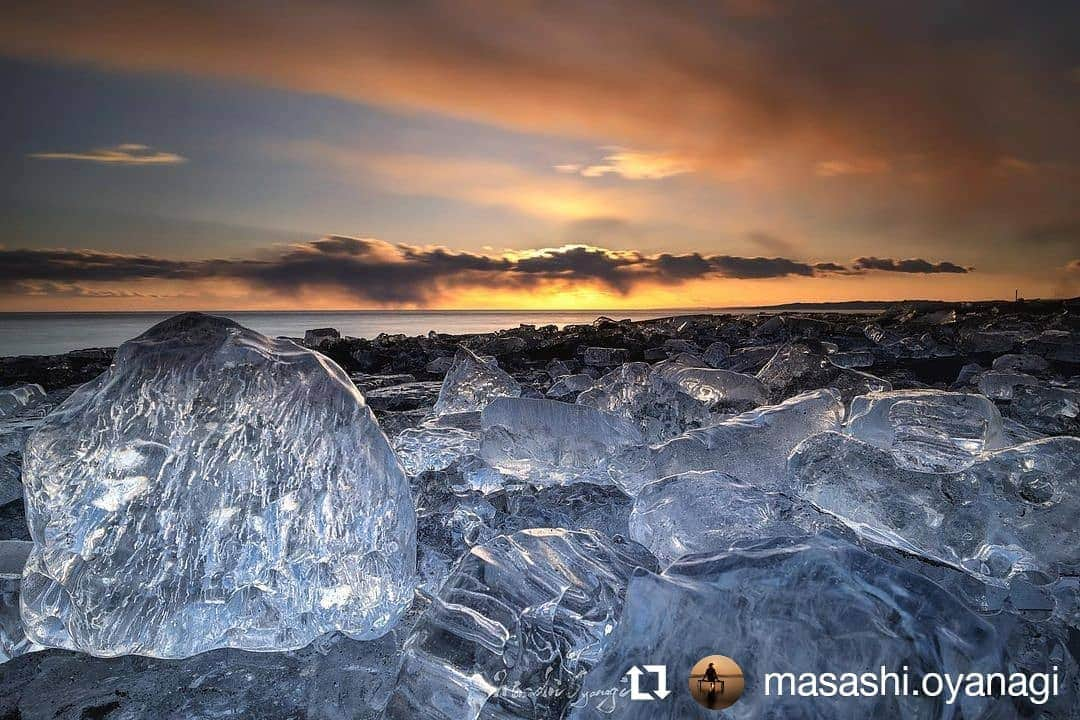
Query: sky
x,y
558,155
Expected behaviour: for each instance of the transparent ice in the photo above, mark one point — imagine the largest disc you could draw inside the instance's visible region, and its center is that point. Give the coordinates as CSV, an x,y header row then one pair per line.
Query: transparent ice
x,y
472,382
214,488
1011,511
800,605
753,446
547,442
13,640
640,393
18,397
700,511
433,448
519,622
999,384
928,430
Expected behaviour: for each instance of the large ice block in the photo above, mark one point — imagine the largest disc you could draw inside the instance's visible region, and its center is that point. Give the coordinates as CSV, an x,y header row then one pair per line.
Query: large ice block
x,y
927,430
433,448
706,511
640,393
753,446
519,622
214,488
791,605
804,365
547,442
472,382
1012,510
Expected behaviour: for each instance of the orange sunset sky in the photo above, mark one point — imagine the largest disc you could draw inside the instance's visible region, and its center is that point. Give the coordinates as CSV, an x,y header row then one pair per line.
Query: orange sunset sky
x,y
541,155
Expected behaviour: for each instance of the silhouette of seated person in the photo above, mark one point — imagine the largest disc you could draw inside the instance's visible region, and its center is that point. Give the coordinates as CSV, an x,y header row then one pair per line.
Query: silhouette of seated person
x,y
711,677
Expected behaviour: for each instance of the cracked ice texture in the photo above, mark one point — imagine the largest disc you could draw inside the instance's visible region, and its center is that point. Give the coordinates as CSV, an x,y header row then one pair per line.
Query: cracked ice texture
x,y
706,511
213,488
547,442
16,398
1012,510
518,623
927,430
471,383
640,394
433,448
13,640
753,446
802,604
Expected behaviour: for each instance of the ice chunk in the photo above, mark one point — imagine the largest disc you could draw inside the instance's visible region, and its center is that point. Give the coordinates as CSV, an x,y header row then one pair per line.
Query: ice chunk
x,y
1047,409
13,640
10,473
804,365
519,622
605,356
570,385
433,448
749,359
472,382
581,506
927,429
717,353
16,398
637,392
792,605
714,387
214,488
753,446
700,511
852,358
547,442
1012,510
999,384
1024,363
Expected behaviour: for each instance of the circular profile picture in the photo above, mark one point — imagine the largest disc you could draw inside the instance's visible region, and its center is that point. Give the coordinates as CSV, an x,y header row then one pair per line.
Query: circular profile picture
x,y
716,681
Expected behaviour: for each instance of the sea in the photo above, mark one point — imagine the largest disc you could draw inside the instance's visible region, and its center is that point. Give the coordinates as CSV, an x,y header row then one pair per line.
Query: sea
x,y
55,333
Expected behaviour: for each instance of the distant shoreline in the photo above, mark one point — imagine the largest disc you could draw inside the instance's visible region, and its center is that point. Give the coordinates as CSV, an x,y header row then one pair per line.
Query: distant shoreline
x,y
849,305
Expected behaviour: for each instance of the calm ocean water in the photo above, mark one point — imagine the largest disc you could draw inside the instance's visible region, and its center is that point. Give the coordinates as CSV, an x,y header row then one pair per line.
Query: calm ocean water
x,y
51,333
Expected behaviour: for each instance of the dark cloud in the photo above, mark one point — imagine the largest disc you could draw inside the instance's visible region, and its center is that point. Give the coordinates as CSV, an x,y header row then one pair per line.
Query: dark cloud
x,y
913,265
380,272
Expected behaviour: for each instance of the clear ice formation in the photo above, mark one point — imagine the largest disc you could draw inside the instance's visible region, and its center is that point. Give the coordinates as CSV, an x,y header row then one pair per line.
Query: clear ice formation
x,y
13,640
753,446
516,626
547,442
1011,511
640,393
18,397
433,448
472,382
714,387
927,430
796,604
570,385
213,488
696,512
805,365
999,384
1053,410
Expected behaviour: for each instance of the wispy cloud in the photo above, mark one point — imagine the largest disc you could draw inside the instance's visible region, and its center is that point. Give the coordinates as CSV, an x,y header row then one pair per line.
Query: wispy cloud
x,y
124,154
632,165
856,166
